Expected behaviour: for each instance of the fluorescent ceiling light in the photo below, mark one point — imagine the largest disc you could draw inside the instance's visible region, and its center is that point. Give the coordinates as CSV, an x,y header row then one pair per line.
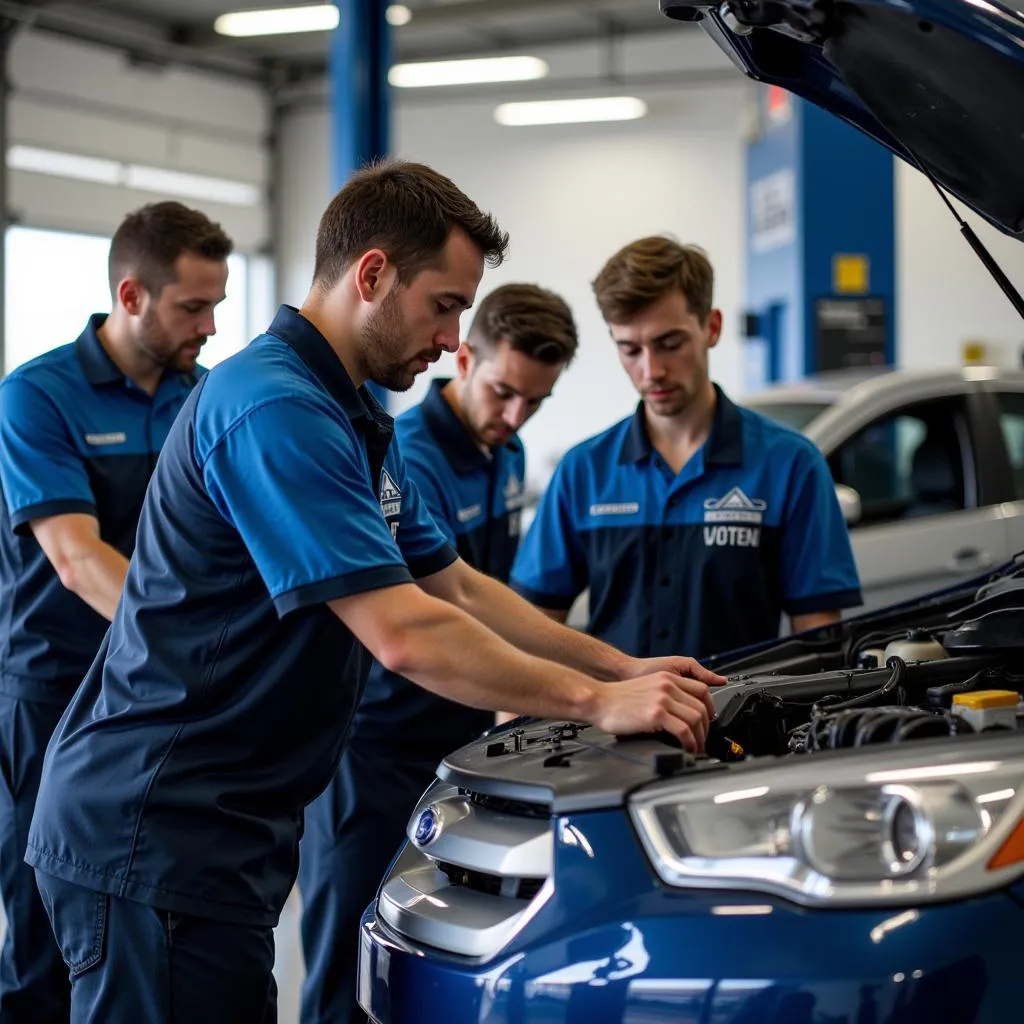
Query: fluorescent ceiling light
x,y
278,21
466,72
191,186
146,179
398,15
64,165
606,108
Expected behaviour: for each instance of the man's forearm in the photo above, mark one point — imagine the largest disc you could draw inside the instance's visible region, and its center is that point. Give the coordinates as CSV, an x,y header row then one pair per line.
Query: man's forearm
x,y
96,574
523,626
443,649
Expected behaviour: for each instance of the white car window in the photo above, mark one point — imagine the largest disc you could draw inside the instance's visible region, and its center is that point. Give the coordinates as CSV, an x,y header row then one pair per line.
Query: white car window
x,y
907,465
1011,419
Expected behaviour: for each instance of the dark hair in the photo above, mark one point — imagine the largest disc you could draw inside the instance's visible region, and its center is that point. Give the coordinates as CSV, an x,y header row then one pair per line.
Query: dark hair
x,y
150,240
643,271
406,209
531,319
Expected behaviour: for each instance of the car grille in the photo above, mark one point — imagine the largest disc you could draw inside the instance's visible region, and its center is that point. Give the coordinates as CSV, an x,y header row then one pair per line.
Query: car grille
x,y
494,885
475,877
518,808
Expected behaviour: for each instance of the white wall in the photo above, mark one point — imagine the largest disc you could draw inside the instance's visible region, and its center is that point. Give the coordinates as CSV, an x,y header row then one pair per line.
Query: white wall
x,y
89,100
945,295
569,196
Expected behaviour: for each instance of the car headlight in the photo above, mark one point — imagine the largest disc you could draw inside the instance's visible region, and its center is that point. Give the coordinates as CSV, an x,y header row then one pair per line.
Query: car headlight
x,y
920,822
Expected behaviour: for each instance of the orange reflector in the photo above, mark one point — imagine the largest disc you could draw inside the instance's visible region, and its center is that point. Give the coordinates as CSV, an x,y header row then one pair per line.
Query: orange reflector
x,y
1011,851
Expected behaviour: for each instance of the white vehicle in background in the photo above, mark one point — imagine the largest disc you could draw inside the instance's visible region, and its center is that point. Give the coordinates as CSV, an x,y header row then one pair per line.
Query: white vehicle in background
x,y
928,466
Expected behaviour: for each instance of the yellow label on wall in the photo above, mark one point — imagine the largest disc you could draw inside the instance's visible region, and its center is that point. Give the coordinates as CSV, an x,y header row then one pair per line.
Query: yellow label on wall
x,y
973,353
851,274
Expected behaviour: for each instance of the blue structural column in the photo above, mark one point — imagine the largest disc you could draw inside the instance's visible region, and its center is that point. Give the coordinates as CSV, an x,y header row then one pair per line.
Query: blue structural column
x,y
820,245
360,58
360,103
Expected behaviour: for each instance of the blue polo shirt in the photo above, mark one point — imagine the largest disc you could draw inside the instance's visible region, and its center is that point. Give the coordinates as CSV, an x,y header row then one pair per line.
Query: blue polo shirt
x,y
696,563
476,499
76,435
218,706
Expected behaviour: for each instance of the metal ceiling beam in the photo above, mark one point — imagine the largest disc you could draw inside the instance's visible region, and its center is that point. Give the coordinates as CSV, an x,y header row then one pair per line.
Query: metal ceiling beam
x,y
83,25
314,93
489,10
488,19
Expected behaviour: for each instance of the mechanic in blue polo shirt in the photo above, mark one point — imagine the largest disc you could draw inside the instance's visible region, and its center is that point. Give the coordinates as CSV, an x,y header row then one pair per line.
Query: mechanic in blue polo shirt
x,y
461,451
694,523
280,544
80,429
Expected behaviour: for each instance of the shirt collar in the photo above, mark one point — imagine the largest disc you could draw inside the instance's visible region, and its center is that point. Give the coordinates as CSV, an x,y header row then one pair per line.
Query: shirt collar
x,y
458,446
313,349
99,368
723,447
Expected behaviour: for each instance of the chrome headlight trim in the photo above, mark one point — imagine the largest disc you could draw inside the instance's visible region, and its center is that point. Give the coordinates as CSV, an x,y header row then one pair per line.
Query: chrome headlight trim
x,y
909,824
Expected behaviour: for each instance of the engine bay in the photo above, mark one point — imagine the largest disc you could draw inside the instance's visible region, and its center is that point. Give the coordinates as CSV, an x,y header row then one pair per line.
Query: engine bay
x,y
944,669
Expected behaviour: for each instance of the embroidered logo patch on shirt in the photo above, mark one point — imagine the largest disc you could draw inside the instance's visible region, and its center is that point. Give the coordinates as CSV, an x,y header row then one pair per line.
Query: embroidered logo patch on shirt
x,y
390,501
621,508
115,437
514,492
743,516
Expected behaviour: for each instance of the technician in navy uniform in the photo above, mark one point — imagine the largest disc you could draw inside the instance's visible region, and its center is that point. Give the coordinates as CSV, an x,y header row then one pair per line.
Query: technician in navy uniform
x,y
280,534
694,523
80,429
462,453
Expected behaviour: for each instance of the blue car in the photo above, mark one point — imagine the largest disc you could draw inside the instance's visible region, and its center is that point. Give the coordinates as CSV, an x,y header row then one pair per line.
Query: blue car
x,y
850,848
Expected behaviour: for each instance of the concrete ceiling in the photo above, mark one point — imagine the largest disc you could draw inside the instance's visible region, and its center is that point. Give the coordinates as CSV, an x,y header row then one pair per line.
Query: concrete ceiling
x,y
181,31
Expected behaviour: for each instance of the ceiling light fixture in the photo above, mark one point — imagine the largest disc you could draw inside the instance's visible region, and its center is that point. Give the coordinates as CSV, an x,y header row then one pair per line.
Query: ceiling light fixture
x,y
64,165
427,74
278,21
604,108
162,180
398,15
191,186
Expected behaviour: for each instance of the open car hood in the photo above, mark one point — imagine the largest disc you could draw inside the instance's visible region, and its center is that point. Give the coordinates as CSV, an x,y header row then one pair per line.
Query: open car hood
x,y
940,82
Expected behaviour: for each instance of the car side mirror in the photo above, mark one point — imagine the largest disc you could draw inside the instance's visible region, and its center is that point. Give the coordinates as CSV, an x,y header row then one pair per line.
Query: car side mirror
x,y
849,503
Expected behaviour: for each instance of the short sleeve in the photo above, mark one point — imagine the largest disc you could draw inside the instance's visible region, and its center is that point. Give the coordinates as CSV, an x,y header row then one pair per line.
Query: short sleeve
x,y
295,483
424,538
550,569
42,472
818,568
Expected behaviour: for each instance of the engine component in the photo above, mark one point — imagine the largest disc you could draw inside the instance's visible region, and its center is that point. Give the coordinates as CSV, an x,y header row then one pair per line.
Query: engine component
x,y
997,632
858,727
987,709
918,645
871,657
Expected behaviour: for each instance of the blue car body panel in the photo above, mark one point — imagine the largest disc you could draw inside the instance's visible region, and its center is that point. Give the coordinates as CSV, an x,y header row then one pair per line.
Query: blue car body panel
x,y
612,946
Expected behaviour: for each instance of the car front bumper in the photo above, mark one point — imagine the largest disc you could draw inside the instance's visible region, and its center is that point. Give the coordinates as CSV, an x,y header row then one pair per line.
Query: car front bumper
x,y
611,945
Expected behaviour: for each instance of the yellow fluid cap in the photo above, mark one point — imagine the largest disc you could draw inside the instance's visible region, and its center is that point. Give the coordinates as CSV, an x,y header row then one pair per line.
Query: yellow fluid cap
x,y
982,700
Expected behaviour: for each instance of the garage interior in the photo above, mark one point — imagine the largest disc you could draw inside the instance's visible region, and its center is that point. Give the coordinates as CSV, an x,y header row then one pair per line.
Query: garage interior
x,y
112,104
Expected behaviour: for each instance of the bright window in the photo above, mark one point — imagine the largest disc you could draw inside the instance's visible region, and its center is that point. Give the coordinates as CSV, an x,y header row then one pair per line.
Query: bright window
x,y
55,279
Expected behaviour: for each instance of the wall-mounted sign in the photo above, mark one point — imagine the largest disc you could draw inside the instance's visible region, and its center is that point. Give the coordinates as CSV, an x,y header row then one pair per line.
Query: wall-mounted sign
x,y
773,211
851,274
850,333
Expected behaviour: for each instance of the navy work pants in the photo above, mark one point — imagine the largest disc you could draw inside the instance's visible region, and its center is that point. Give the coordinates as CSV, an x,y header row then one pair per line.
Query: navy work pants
x,y
353,831
33,979
134,964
